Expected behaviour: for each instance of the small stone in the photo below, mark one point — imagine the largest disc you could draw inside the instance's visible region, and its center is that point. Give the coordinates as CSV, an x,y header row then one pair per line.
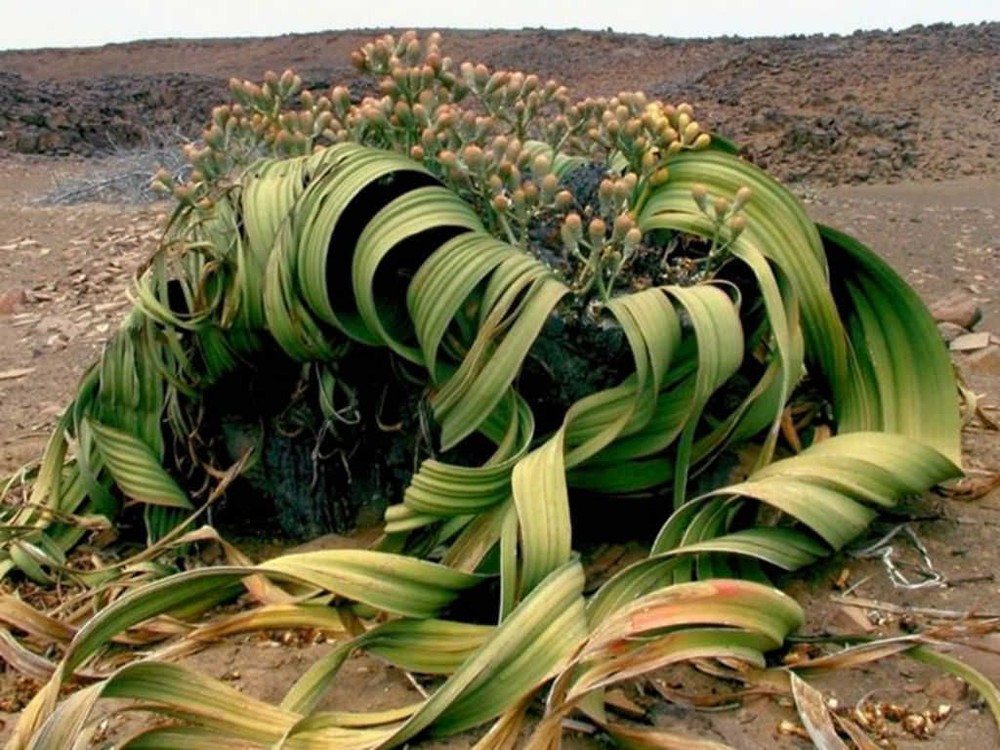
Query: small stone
x,y
56,341
958,308
10,300
950,331
984,361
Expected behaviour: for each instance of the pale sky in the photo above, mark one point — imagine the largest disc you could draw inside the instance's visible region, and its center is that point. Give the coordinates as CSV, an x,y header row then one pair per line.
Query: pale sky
x,y
70,23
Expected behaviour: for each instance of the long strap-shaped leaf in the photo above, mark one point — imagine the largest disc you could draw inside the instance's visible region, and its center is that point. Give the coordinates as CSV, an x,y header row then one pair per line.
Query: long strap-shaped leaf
x,y
443,286
718,342
777,226
488,675
713,619
651,325
482,379
889,327
136,468
831,500
434,212
326,231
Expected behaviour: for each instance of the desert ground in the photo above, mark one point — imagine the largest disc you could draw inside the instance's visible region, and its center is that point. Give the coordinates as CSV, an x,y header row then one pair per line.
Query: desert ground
x,y
892,137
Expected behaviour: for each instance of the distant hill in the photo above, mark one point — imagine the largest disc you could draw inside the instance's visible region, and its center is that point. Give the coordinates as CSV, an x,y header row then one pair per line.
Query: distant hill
x,y
872,106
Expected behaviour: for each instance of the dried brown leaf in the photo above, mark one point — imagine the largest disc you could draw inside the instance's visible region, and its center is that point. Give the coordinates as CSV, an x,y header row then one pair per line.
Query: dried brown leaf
x,y
815,715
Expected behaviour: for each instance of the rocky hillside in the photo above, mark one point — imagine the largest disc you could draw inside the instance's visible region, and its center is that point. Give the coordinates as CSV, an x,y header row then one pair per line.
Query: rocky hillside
x,y
870,107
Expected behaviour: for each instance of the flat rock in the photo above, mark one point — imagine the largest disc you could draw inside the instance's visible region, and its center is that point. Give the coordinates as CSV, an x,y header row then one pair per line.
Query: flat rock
x,y
983,361
970,342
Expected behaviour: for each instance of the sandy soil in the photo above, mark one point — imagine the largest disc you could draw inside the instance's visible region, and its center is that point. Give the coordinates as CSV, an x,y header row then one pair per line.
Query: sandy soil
x,y
64,271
